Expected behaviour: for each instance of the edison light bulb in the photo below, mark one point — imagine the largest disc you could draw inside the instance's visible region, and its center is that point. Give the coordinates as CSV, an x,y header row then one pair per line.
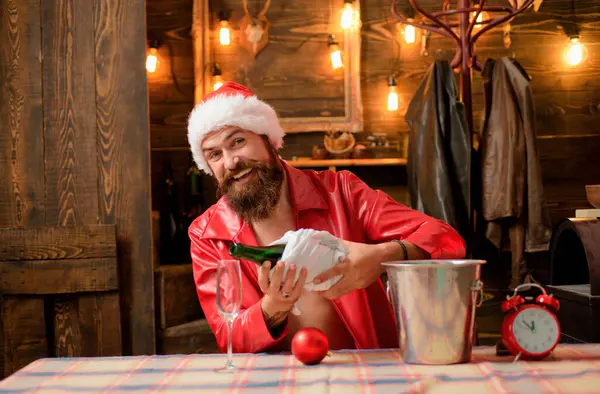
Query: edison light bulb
x,y
410,34
575,53
224,33
336,57
217,82
483,16
347,16
334,53
392,100
152,60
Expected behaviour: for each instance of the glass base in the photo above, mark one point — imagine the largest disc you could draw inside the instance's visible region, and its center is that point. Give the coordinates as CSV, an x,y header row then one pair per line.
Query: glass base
x,y
228,368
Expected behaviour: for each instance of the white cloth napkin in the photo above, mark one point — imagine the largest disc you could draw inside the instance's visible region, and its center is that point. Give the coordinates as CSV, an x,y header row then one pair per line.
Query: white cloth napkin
x,y
318,251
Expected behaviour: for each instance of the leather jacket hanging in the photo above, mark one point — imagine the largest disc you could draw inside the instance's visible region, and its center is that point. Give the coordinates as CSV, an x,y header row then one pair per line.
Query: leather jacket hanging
x,y
512,191
439,150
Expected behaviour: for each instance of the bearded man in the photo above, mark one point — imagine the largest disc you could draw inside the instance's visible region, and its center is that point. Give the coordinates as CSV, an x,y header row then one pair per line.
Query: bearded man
x,y
234,136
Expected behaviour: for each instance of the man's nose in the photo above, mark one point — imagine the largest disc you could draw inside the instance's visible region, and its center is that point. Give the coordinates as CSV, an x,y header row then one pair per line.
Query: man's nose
x,y
231,161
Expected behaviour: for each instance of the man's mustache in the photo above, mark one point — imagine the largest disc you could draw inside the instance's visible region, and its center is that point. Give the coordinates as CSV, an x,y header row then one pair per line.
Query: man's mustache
x,y
241,166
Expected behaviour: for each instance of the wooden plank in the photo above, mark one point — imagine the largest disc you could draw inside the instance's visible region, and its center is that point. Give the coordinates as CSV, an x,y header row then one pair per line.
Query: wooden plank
x,y
87,325
67,334
188,338
21,132
69,112
122,124
170,15
41,243
565,159
22,332
58,276
176,297
100,324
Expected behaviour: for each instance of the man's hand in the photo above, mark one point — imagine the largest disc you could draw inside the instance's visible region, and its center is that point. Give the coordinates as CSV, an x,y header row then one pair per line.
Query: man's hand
x,y
362,266
280,296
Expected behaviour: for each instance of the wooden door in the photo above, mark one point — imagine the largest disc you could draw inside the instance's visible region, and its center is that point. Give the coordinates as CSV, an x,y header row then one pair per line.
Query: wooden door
x,y
74,160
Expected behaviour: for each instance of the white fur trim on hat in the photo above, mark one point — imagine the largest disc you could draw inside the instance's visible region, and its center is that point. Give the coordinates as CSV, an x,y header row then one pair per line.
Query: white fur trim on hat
x,y
248,113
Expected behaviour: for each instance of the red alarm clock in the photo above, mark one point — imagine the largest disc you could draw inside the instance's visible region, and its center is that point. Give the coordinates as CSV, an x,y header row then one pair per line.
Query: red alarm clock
x,y
530,329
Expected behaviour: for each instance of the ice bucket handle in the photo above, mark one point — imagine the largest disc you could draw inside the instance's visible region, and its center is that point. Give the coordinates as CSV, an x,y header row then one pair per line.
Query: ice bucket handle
x,y
477,291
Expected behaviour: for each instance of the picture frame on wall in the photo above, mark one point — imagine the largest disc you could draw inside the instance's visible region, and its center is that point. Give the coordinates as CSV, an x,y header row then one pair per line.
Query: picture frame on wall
x,y
292,71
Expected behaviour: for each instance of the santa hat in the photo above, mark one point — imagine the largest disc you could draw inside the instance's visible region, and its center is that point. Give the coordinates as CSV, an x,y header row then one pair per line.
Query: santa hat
x,y
231,105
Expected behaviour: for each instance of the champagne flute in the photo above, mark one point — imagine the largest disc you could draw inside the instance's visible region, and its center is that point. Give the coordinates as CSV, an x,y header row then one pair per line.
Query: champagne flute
x,y
229,302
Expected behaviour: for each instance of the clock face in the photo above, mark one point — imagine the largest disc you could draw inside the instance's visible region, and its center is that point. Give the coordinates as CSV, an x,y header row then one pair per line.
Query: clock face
x,y
535,330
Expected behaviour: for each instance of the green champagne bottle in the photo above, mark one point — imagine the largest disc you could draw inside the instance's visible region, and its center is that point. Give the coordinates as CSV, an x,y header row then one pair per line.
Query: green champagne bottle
x,y
257,254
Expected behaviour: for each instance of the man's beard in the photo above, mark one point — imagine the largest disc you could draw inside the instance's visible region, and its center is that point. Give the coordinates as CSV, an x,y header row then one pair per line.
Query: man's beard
x,y
255,200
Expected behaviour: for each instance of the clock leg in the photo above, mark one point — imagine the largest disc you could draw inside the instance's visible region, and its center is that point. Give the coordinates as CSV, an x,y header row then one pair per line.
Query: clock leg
x,y
517,357
501,351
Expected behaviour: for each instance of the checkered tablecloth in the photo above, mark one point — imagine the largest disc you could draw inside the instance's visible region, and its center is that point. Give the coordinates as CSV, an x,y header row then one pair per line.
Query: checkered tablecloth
x,y
571,369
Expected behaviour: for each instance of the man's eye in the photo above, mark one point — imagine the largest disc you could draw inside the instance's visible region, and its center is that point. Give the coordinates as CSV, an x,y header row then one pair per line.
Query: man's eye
x,y
214,155
238,141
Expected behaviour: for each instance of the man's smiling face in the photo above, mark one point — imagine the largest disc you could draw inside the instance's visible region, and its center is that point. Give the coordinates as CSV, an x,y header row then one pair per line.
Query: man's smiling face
x,y
247,171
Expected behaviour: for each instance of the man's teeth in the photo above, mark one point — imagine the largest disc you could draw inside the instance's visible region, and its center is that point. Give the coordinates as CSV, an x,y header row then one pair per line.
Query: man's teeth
x,y
241,174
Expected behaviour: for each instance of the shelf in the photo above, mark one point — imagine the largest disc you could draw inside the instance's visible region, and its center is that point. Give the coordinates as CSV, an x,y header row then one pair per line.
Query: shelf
x,y
332,163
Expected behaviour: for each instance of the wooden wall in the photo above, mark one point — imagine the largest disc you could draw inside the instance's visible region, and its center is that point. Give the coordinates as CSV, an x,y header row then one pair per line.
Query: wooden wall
x,y
74,150
567,98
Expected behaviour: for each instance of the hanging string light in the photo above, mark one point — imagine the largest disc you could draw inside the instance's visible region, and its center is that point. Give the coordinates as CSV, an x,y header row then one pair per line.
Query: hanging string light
x,y
350,16
217,79
410,32
483,15
392,99
576,52
334,53
224,29
152,58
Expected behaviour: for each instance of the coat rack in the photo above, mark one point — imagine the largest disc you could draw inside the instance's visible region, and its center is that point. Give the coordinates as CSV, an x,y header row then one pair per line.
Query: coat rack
x,y
465,58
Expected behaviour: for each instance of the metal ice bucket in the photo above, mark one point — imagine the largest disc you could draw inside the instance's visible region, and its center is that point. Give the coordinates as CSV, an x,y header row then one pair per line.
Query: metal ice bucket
x,y
434,302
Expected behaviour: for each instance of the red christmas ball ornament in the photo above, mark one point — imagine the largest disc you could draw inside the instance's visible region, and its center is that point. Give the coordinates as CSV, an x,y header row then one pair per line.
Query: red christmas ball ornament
x,y
310,345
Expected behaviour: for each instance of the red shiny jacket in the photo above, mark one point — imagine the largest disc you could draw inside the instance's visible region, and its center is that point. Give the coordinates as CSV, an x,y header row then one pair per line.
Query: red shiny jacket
x,y
343,205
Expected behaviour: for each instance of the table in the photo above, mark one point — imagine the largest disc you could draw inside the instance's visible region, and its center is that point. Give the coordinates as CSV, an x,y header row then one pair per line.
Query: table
x,y
572,369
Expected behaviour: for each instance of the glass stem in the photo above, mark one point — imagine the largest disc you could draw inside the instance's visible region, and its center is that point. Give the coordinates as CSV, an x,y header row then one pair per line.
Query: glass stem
x,y
229,343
